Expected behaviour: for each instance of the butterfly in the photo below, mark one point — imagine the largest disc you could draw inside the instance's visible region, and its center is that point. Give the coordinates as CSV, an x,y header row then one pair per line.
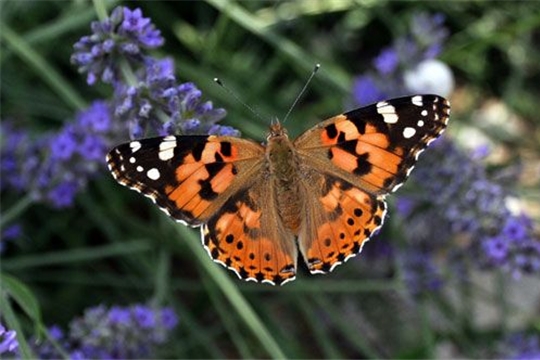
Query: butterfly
x,y
258,205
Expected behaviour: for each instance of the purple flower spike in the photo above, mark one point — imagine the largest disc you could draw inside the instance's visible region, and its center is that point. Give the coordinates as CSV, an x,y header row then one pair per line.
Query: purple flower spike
x,y
113,333
126,35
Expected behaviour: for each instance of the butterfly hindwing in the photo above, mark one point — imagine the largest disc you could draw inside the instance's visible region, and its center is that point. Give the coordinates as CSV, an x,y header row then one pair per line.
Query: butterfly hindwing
x,y
247,236
188,177
341,218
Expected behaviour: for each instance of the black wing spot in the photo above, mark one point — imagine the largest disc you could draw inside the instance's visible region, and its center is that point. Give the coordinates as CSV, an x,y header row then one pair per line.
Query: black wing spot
x,y
197,151
349,146
207,192
226,148
229,239
331,131
363,166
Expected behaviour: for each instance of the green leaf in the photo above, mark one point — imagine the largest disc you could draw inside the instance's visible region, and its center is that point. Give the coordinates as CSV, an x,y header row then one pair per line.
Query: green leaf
x,y
22,296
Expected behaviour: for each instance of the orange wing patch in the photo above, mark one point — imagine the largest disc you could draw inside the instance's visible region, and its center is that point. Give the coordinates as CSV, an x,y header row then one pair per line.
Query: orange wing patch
x,y
236,238
349,216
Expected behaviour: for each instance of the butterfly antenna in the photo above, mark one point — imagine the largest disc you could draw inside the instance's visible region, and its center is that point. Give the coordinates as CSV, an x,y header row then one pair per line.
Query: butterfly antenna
x,y
233,94
315,69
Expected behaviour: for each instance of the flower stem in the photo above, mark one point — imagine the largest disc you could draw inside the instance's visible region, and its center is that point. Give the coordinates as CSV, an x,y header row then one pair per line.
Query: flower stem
x,y
16,210
101,9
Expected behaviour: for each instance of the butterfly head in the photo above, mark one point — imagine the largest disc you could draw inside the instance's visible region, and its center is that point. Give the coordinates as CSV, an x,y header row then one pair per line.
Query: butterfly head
x,y
277,131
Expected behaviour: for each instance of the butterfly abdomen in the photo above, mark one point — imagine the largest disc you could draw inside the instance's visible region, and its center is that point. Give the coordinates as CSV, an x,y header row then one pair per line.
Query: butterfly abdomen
x,y
283,165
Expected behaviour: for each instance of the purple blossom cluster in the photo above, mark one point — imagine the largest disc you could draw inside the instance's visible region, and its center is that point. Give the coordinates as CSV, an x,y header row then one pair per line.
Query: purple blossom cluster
x,y
147,96
117,332
158,104
125,35
8,341
457,198
519,346
409,65
52,168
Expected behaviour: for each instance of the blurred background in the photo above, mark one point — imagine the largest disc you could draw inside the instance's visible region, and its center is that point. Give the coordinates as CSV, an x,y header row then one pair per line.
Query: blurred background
x,y
90,269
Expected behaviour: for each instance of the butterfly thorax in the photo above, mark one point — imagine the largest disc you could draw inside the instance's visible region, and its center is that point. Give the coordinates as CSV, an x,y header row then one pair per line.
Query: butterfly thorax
x,y
283,165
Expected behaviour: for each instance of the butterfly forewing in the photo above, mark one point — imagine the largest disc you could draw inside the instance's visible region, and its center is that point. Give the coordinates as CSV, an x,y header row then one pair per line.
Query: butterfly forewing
x,y
376,147
188,177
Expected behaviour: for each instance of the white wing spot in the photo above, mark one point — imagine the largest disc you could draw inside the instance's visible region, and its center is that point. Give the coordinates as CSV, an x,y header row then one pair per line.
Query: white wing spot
x,y
166,148
388,113
408,132
132,160
381,104
140,169
417,100
420,123
135,146
424,112
153,174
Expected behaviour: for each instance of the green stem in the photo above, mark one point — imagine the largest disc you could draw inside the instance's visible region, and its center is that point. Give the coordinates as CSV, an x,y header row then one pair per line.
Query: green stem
x,y
162,277
16,210
230,290
101,9
427,334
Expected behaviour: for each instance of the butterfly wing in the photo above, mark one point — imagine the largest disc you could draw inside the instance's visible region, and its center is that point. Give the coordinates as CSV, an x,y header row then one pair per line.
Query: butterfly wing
x,y
188,177
340,218
376,147
361,156
218,182
247,235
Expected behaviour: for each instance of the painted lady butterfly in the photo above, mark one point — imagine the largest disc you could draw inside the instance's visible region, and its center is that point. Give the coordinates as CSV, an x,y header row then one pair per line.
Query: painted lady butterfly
x,y
322,194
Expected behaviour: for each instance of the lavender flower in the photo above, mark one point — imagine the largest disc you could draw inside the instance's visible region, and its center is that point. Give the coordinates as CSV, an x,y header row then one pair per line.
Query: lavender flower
x,y
409,65
8,340
158,104
54,167
124,35
520,346
458,198
366,90
420,273
150,102
115,333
